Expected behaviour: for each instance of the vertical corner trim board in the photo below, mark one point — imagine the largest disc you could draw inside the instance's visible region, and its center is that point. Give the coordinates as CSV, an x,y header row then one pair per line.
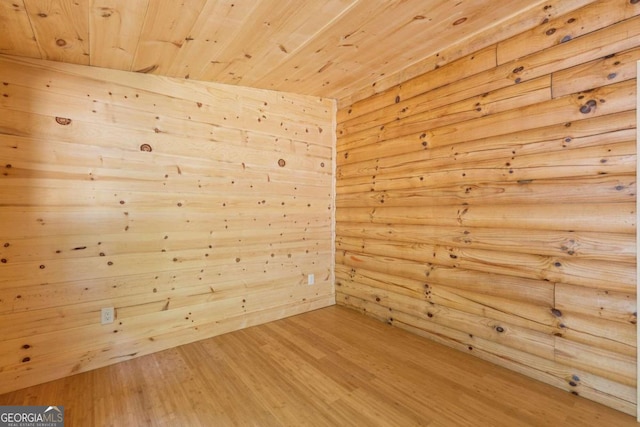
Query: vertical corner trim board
x,y
192,209
493,209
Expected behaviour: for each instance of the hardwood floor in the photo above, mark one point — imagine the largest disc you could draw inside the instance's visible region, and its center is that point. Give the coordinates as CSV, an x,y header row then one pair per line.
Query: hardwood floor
x,y
330,367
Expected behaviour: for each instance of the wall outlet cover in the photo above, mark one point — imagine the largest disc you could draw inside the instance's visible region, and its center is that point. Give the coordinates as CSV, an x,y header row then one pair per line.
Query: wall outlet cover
x,y
107,315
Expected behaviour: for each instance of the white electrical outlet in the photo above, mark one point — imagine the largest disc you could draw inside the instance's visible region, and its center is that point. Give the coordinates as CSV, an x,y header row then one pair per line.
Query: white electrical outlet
x,y
107,315
311,279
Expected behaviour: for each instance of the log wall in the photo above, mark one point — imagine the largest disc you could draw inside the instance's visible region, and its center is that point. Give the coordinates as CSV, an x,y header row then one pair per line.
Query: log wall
x,y
490,203
194,209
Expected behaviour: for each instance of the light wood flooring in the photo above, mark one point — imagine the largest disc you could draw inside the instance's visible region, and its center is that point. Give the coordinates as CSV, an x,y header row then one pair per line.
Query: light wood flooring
x,y
330,367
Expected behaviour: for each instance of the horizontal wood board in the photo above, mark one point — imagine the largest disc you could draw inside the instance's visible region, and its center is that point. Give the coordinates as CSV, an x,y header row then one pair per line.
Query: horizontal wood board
x,y
490,204
191,208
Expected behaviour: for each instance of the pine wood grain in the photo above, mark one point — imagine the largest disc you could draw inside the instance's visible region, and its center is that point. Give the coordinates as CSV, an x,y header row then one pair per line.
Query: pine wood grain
x,y
115,28
338,49
509,27
463,204
61,28
599,14
480,80
308,369
176,203
19,39
588,245
156,46
545,138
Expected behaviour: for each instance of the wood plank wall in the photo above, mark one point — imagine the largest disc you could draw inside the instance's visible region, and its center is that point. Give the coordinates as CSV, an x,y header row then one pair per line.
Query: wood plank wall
x,y
490,204
192,208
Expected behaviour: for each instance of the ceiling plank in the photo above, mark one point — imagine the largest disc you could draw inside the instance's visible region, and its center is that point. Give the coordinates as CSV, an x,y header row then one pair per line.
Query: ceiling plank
x,y
17,35
279,31
115,27
61,28
166,27
217,25
341,49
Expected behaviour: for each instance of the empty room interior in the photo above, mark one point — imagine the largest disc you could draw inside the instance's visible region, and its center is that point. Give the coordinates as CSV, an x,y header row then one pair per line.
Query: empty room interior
x,y
320,212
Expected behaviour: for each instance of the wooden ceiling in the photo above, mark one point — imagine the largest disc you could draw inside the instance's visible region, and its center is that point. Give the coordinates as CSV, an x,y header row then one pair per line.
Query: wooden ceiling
x,y
328,48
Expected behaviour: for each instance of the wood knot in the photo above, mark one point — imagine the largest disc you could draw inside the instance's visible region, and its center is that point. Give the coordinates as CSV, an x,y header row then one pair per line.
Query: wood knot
x,y
146,147
550,31
588,106
556,312
459,21
281,163
149,69
63,121
61,42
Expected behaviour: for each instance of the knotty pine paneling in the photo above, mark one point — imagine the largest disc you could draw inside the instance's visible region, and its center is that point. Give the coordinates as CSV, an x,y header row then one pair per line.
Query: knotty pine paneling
x,y
490,204
343,49
192,208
